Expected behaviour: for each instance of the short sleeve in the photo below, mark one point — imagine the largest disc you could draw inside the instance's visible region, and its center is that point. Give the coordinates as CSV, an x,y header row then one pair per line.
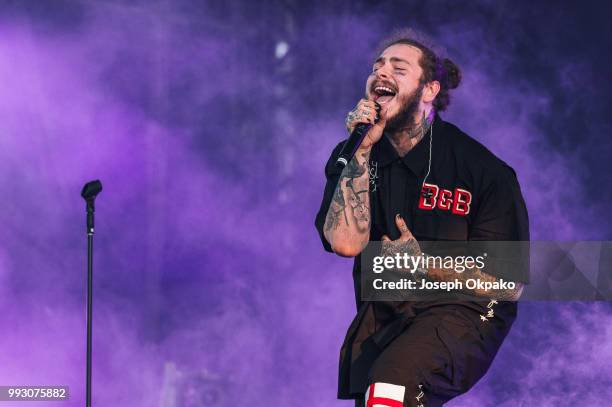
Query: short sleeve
x,y
501,215
332,174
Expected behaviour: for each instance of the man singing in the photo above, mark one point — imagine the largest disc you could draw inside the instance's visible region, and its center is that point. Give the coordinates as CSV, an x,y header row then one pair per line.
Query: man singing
x,y
417,178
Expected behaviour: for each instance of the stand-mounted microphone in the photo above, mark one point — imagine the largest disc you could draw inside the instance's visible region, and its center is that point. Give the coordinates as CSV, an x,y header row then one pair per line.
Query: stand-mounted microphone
x,y
89,193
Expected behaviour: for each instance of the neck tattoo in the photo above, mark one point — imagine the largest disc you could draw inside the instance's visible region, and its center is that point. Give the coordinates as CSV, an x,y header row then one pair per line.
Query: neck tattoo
x,y
406,140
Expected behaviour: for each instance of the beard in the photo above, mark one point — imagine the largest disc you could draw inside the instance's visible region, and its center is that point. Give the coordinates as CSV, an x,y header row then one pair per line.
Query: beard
x,y
404,119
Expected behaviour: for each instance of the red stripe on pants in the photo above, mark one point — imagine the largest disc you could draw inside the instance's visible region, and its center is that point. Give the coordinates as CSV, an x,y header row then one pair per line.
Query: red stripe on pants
x,y
382,400
385,402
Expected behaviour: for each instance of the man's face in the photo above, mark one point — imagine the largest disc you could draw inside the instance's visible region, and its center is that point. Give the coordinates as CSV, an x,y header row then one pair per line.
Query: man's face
x,y
395,83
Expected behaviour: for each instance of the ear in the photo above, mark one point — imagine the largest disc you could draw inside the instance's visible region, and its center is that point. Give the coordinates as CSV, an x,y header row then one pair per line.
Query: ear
x,y
430,91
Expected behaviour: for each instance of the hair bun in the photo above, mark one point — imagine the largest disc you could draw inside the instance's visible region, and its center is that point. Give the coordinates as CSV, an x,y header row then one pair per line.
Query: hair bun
x,y
453,74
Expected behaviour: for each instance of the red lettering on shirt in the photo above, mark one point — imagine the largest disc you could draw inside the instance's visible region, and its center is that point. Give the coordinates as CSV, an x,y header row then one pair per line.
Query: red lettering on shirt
x,y
429,196
462,201
457,201
445,200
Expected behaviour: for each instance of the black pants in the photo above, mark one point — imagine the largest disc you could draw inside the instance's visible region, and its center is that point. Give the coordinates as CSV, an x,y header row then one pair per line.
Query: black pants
x,y
440,356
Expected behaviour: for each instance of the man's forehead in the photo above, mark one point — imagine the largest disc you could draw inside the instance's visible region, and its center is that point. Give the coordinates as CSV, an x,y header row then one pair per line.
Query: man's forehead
x,y
402,51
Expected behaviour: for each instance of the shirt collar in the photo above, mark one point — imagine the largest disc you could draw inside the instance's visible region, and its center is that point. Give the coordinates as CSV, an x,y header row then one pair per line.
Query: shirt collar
x,y
416,159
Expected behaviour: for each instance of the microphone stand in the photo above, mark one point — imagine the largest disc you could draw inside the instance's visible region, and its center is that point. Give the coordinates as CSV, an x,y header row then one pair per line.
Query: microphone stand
x,y
89,193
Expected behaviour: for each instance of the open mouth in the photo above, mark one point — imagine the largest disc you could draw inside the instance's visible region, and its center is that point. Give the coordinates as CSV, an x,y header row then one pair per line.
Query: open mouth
x,y
383,94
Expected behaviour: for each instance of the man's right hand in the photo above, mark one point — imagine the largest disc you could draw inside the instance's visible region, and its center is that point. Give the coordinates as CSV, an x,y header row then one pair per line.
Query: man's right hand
x,y
366,112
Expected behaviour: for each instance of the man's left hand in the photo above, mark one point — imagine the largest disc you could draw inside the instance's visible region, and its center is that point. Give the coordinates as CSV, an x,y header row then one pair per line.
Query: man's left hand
x,y
406,243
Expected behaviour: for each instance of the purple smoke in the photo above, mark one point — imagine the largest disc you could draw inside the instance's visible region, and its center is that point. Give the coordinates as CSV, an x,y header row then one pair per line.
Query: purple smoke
x,y
210,280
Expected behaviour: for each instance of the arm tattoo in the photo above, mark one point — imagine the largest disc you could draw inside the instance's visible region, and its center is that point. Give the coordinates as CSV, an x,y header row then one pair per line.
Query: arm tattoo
x,y
354,185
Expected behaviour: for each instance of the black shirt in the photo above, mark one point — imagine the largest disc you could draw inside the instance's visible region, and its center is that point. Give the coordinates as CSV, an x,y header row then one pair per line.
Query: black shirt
x,y
492,207
477,198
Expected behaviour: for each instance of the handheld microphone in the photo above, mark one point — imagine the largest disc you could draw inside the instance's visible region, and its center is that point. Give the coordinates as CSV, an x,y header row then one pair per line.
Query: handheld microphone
x,y
352,144
354,141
